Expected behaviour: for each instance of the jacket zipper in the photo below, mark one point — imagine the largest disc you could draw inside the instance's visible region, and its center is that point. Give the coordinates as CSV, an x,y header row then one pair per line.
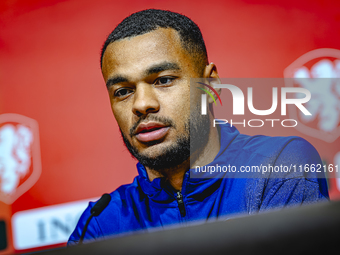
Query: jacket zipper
x,y
180,202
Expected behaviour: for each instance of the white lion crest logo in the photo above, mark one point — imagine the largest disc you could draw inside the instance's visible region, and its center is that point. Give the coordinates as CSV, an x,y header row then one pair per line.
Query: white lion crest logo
x,y
325,102
19,155
15,155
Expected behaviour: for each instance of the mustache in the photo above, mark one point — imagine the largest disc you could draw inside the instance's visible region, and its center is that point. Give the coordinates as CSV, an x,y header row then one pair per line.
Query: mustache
x,y
163,120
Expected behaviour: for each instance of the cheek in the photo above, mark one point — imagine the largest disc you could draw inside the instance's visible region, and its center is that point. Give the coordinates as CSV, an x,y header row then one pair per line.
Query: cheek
x,y
182,111
195,96
121,118
186,100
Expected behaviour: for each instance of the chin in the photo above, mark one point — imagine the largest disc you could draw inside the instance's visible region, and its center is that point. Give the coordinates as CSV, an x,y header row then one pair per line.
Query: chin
x,y
154,149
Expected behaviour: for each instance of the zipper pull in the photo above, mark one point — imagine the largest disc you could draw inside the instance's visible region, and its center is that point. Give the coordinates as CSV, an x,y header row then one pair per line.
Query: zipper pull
x,y
180,203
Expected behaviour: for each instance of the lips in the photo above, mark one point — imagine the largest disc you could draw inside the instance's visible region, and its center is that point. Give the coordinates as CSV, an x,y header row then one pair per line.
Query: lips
x,y
151,131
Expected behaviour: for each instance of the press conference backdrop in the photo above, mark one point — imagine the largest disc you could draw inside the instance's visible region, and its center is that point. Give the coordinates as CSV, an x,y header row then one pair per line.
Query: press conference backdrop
x,y
54,104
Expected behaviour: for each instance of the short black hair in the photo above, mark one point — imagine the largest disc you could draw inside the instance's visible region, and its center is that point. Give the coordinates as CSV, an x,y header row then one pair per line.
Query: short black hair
x,y
146,21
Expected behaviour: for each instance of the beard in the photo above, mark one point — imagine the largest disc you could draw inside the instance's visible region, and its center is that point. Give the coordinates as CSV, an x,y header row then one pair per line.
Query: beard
x,y
194,138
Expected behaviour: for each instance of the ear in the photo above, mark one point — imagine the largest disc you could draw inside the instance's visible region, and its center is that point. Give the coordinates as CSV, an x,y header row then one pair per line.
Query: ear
x,y
211,76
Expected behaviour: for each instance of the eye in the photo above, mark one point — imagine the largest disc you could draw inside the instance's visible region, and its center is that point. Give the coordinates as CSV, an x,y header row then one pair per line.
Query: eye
x,y
122,92
164,81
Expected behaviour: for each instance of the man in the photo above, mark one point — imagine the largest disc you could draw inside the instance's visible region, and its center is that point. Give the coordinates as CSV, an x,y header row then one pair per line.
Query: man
x,y
147,63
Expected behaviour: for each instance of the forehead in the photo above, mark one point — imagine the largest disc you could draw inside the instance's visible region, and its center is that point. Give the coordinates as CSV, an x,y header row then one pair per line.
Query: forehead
x,y
133,55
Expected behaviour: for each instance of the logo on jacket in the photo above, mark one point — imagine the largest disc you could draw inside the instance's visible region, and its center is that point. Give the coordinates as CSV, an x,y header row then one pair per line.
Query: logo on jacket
x,y
20,164
319,72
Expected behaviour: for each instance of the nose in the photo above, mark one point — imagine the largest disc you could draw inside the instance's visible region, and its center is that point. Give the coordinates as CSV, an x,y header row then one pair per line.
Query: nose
x,y
145,100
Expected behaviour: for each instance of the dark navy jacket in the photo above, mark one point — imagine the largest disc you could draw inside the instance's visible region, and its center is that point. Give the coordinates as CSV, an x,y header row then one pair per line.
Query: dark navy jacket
x,y
145,205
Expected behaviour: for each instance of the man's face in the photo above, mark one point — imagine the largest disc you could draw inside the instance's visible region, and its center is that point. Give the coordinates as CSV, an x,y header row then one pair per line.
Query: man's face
x,y
148,79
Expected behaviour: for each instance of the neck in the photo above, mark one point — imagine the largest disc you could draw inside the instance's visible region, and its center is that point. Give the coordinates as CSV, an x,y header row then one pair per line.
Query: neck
x,y
173,175
206,155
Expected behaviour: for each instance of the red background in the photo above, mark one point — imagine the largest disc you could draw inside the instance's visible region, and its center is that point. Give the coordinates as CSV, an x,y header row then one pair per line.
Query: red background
x,y
49,71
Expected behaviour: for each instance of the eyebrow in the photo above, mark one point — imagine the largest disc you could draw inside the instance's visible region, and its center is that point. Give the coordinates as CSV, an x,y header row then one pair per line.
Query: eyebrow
x,y
162,67
157,68
114,80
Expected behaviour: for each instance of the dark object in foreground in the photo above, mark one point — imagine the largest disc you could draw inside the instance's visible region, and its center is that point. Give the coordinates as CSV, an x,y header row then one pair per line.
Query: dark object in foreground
x,y
95,211
3,235
308,229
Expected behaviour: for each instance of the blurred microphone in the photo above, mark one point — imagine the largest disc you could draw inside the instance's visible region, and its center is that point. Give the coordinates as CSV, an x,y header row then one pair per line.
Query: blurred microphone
x,y
95,211
101,204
